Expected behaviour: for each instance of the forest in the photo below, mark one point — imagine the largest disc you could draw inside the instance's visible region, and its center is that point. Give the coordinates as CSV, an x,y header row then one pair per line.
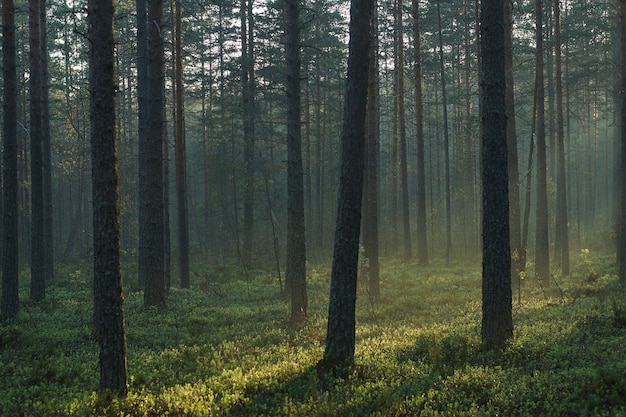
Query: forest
x,y
261,207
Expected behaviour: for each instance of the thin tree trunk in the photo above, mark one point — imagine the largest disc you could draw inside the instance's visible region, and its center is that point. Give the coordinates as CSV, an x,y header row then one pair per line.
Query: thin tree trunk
x,y
9,304
542,261
38,277
445,142
561,243
422,240
295,274
179,150
48,225
621,256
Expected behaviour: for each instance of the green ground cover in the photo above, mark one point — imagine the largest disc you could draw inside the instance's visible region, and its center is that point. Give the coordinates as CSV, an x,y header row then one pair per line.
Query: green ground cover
x,y
225,347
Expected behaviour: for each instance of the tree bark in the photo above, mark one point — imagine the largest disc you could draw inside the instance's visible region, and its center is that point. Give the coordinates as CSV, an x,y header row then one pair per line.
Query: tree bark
x,y
151,229
341,331
295,274
37,268
621,256
542,250
108,295
10,265
46,148
497,322
422,240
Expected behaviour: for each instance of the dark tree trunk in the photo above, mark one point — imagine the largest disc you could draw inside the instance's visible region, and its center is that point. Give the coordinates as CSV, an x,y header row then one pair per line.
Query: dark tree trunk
x,y
370,207
179,150
446,142
404,180
247,80
37,267
296,243
422,241
561,241
542,266
497,322
48,241
621,256
142,116
108,296
340,336
10,286
511,138
151,242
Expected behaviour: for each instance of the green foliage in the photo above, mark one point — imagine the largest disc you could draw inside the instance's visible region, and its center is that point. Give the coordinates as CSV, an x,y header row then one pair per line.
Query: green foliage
x,y
223,349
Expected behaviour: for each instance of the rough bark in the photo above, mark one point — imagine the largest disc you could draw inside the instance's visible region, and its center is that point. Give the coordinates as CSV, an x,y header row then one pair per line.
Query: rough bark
x,y
10,298
497,323
340,336
295,274
108,296
422,240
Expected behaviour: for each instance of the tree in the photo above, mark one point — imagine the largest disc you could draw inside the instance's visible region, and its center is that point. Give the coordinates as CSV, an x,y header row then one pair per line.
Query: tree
x,y
542,260
370,186
10,298
296,244
151,243
422,241
46,149
621,247
404,180
108,297
561,240
497,322
142,120
37,267
179,150
446,140
341,331
511,137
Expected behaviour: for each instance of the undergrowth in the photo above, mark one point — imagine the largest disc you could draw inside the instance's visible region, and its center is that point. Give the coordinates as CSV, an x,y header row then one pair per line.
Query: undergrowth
x,y
225,347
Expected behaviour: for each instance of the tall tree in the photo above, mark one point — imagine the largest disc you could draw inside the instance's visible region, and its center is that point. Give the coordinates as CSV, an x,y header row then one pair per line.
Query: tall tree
x,y
46,148
9,304
621,247
296,238
422,240
341,331
108,297
179,150
37,267
561,240
446,139
370,199
511,138
151,243
404,180
142,119
497,322
542,255
247,80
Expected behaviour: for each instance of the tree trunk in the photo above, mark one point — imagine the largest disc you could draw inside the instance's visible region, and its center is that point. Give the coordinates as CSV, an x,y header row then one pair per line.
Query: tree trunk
x,y
295,274
621,255
341,331
142,120
151,242
370,207
497,322
561,241
446,151
37,268
179,151
47,236
404,180
108,296
511,138
247,80
542,256
422,240
9,303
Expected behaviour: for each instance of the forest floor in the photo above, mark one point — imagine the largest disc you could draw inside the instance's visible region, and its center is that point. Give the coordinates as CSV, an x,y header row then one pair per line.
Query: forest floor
x,y
226,347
